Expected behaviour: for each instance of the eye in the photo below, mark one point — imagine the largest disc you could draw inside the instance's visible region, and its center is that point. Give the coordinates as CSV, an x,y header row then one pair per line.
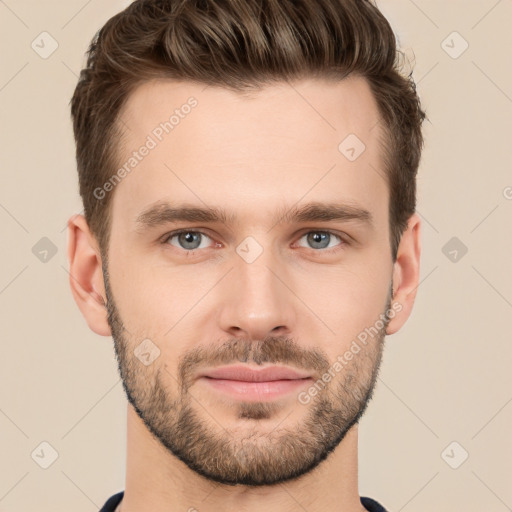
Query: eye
x,y
321,239
188,240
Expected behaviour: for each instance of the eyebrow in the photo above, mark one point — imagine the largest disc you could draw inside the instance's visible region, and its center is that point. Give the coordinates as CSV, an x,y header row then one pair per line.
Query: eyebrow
x,y
163,213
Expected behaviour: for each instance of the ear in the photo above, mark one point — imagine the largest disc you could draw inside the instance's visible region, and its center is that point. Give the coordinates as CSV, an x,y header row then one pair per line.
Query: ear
x,y
406,274
86,276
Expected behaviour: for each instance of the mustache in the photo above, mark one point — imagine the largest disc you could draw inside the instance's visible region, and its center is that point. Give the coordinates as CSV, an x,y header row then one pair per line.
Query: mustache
x,y
273,349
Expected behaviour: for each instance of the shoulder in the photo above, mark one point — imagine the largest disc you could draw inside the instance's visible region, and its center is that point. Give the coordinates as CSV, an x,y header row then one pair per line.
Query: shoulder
x,y
112,503
372,505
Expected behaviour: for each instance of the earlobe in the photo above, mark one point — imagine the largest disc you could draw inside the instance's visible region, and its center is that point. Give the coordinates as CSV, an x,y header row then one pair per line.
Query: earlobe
x,y
406,271
86,276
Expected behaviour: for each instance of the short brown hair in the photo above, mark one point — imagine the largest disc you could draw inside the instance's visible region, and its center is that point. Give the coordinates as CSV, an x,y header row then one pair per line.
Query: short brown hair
x,y
243,45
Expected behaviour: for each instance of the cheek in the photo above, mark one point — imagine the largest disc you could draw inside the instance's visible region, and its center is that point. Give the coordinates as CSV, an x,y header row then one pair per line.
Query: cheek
x,y
152,299
347,299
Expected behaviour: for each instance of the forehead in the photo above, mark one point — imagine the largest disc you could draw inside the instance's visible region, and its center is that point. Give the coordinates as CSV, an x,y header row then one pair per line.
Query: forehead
x,y
251,153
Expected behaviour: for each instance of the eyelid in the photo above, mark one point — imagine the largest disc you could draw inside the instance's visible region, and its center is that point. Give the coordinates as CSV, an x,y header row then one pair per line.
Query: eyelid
x,y
172,234
343,237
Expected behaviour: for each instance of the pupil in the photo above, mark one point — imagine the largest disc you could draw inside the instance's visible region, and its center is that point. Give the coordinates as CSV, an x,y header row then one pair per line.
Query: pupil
x,y
318,237
189,238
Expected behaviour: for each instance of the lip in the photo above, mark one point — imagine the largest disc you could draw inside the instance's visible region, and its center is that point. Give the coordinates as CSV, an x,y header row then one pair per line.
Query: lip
x,y
248,374
256,391
245,383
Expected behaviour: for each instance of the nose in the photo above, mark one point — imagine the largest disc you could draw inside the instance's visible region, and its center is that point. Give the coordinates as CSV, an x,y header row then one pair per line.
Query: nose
x,y
255,302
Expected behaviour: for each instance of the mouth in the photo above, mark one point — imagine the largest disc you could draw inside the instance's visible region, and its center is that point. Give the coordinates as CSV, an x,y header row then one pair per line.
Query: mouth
x,y
245,383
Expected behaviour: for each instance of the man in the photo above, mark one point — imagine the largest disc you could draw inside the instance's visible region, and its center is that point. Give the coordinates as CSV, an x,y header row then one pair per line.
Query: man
x,y
248,176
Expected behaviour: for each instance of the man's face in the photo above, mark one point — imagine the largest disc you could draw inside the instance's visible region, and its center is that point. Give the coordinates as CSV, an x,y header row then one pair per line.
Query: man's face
x,y
258,287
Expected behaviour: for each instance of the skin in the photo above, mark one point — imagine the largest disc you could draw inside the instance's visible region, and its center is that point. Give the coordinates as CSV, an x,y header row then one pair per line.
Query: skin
x,y
298,303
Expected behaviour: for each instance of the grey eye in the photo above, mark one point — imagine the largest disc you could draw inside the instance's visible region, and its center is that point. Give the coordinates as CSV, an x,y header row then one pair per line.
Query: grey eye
x,y
320,239
189,240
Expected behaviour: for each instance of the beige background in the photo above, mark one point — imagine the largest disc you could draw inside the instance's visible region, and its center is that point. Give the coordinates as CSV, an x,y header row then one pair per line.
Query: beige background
x,y
445,377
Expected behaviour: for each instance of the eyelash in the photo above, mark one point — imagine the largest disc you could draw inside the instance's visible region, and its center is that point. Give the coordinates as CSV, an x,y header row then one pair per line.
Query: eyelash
x,y
331,250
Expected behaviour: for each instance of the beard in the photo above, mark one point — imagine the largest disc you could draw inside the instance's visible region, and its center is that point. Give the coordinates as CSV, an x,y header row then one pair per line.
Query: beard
x,y
239,455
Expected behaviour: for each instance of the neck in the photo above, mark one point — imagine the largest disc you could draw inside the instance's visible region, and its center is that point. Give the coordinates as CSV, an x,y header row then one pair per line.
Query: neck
x,y
158,481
